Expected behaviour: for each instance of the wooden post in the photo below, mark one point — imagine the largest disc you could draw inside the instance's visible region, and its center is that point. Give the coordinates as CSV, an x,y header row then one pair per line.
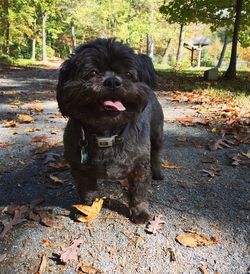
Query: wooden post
x,y
199,56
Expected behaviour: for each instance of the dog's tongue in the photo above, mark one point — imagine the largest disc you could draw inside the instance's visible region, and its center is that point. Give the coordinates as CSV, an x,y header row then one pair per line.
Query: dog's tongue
x,y
118,106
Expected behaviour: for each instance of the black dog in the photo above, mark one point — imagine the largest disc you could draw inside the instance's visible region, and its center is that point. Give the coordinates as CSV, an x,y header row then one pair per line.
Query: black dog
x,y
115,126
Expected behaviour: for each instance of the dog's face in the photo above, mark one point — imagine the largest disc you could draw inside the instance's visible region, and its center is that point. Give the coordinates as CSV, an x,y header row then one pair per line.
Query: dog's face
x,y
105,84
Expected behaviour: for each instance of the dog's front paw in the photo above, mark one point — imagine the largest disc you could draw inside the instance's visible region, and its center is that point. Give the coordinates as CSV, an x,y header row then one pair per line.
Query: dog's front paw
x,y
139,214
157,175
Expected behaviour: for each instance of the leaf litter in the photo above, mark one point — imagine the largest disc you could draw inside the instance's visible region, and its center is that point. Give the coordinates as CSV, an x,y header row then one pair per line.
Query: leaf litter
x,y
194,239
70,253
91,212
155,225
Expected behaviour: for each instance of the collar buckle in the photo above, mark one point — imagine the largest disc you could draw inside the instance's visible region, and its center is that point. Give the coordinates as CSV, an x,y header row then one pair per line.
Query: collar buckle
x,y
109,141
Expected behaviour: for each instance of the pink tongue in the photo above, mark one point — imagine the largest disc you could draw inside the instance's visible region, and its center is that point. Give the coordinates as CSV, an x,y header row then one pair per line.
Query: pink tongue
x,y
114,105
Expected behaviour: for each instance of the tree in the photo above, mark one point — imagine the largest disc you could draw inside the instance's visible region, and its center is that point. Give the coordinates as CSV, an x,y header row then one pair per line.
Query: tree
x,y
217,13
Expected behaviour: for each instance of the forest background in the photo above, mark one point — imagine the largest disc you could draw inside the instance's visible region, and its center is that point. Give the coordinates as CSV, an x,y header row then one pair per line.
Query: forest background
x,y
41,29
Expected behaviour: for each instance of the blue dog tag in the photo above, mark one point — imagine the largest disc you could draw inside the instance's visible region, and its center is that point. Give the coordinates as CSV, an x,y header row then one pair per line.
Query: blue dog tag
x,y
84,156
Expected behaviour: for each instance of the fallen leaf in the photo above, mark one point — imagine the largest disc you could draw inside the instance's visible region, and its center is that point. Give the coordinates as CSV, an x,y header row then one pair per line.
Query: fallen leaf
x,y
3,257
167,164
42,267
43,148
204,268
11,123
91,212
185,120
155,225
46,218
39,139
124,183
32,129
70,253
46,243
172,254
240,159
62,165
24,118
194,239
34,217
209,160
212,172
56,180
36,108
221,143
86,268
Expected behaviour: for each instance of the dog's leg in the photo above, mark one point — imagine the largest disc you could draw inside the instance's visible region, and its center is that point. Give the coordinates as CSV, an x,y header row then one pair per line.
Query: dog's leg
x,y
86,186
156,144
138,184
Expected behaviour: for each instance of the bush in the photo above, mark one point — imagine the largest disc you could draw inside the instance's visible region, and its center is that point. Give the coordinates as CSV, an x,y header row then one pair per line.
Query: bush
x,y
6,60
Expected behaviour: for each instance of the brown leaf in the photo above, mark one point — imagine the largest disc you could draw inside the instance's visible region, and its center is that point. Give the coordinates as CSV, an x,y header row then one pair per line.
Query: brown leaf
x,y
70,253
194,239
46,218
155,225
32,129
184,120
56,180
240,158
3,257
220,144
11,123
34,217
212,172
62,165
204,269
42,267
43,148
25,118
39,139
167,164
86,268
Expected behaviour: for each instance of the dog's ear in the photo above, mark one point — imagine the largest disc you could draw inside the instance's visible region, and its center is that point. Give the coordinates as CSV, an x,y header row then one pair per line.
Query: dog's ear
x,y
147,73
64,76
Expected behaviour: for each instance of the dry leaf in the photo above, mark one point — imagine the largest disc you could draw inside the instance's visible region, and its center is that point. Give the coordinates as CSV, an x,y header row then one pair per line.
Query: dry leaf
x,y
32,129
42,267
62,165
56,180
46,218
11,123
204,269
3,257
167,164
155,225
70,253
212,172
86,268
194,239
43,148
240,158
91,212
221,143
25,118
172,254
39,139
185,120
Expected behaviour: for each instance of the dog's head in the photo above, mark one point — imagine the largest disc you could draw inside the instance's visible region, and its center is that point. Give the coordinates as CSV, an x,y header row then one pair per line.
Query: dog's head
x,y
104,84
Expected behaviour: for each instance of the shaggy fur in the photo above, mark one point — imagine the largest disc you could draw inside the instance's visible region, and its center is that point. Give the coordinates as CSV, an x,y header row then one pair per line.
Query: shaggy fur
x,y
107,70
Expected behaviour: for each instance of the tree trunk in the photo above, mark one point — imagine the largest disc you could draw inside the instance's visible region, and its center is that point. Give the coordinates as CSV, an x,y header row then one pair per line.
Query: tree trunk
x,y
231,71
180,44
44,53
7,27
33,53
223,49
150,46
73,36
114,25
165,55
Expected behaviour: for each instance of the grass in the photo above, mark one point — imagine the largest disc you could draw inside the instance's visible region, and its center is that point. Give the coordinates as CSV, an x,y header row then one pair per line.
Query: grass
x,y
192,80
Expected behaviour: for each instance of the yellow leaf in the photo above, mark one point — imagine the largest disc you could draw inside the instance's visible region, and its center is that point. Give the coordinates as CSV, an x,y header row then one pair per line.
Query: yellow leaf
x,y
194,239
25,118
214,129
167,164
91,212
11,123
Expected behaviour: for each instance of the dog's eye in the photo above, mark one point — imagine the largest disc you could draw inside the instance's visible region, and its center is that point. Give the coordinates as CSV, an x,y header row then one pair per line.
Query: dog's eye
x,y
93,73
129,75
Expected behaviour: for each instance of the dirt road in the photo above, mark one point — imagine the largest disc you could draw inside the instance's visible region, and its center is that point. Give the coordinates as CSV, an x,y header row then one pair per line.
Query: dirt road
x,y
202,192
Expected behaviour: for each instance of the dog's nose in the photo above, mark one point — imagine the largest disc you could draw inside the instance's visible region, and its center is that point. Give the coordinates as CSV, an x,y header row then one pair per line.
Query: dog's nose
x,y
112,82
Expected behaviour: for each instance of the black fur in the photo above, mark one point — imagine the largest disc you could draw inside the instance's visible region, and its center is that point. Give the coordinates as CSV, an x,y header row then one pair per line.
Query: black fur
x,y
102,70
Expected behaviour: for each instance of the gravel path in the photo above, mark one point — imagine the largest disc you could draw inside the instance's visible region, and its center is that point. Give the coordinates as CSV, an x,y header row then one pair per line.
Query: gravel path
x,y
216,207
